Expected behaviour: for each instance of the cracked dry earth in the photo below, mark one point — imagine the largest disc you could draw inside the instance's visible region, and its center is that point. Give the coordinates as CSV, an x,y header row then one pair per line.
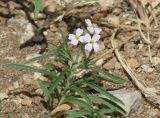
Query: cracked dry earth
x,y
25,105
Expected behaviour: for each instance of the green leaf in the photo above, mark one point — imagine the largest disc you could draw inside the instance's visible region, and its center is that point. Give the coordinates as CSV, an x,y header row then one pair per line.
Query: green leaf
x,y
112,105
64,45
39,58
38,6
56,82
103,92
110,76
76,113
44,86
81,92
24,67
98,115
104,111
63,38
81,81
97,77
78,102
31,69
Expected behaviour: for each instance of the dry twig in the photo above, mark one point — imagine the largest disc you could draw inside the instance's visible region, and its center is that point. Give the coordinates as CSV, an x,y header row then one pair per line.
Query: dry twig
x,y
150,95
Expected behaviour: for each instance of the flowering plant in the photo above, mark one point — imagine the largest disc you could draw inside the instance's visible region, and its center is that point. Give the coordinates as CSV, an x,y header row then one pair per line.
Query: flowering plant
x,y
74,84
90,41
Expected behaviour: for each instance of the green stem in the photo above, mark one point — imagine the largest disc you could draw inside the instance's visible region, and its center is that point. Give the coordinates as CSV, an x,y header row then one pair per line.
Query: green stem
x,y
83,51
65,92
90,54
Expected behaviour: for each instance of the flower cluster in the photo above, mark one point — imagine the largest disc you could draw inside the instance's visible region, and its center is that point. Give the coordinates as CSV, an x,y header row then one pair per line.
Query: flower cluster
x,y
90,39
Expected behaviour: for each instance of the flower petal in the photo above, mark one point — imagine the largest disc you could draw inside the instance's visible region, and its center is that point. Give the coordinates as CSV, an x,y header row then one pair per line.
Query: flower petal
x,y
88,22
87,38
88,47
97,30
79,32
81,39
96,37
74,42
71,37
95,47
90,29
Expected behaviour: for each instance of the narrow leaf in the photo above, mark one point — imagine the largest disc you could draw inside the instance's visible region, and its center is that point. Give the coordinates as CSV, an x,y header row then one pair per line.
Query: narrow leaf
x,y
56,82
24,67
78,102
109,75
31,69
76,113
39,58
44,86
81,93
38,6
103,92
112,105
105,111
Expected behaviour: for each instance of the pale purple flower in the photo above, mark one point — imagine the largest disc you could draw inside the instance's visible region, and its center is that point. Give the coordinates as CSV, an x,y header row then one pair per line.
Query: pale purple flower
x,y
92,28
91,42
75,38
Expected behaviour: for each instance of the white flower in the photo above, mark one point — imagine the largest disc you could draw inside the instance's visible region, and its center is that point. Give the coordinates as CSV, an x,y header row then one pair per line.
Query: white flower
x,y
92,28
75,38
91,42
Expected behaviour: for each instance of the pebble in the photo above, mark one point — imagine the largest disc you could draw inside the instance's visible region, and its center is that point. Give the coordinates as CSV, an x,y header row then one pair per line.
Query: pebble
x,y
16,84
3,96
132,100
26,101
147,68
155,61
133,63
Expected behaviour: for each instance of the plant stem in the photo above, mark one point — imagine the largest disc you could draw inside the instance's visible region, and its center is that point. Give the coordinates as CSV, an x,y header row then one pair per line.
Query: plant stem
x,y
65,92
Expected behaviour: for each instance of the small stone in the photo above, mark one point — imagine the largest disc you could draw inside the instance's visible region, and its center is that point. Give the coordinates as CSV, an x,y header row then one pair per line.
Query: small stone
x,y
153,114
147,68
133,63
53,27
51,6
16,84
45,33
140,46
39,76
155,61
17,100
3,96
128,22
131,99
28,79
37,100
39,91
26,101
114,20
